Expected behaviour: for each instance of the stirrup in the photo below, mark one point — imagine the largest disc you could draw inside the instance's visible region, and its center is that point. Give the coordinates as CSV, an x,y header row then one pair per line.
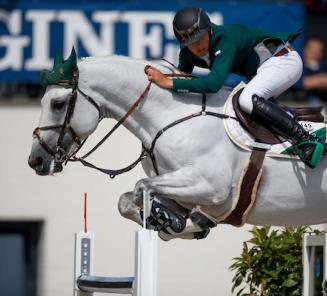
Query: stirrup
x,y
317,153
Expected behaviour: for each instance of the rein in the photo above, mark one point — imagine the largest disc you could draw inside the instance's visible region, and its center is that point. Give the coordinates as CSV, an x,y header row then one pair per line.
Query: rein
x,y
59,154
113,173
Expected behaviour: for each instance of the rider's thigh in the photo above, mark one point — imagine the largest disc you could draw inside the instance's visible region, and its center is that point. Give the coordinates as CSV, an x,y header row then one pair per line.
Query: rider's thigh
x,y
273,77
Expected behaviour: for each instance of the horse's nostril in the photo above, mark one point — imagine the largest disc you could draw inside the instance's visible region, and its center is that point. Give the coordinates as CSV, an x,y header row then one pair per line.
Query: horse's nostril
x,y
35,162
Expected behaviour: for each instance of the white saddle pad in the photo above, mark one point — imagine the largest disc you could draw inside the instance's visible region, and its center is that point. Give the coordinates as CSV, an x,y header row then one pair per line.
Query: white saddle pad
x,y
245,141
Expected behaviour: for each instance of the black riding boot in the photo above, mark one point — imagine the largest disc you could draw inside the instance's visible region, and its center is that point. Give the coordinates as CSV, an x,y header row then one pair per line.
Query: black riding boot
x,y
310,148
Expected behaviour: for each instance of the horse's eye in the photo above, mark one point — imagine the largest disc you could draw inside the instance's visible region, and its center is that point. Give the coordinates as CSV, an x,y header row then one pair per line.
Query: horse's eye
x,y
57,105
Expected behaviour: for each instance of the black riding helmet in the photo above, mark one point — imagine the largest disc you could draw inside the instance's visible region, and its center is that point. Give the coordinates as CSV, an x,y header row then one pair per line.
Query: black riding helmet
x,y
190,25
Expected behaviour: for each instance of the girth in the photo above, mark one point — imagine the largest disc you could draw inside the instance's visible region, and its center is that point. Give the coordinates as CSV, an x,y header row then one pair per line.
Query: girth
x,y
247,191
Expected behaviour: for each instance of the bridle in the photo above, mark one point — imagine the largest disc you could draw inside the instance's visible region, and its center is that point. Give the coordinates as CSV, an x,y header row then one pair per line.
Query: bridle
x,y
59,154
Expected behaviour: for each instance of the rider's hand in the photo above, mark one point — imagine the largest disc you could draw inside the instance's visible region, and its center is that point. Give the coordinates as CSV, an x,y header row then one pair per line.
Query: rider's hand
x,y
154,75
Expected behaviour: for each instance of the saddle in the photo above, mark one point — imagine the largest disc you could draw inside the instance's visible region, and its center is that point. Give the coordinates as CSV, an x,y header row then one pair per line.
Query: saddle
x,y
267,134
252,171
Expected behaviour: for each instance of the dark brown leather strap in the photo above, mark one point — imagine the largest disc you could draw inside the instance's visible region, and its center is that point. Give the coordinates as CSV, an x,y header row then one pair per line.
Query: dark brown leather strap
x,y
121,121
248,187
285,50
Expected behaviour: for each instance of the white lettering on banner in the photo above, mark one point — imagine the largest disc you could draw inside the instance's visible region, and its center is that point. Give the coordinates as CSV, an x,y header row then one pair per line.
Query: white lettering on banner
x,y
14,44
77,27
137,36
147,30
12,20
41,20
107,19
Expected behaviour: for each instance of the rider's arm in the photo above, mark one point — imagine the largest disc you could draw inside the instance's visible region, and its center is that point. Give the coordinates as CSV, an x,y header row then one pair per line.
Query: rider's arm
x,y
212,82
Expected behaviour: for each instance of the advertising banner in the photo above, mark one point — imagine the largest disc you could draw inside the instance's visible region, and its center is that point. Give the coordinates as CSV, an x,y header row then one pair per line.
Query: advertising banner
x,y
32,32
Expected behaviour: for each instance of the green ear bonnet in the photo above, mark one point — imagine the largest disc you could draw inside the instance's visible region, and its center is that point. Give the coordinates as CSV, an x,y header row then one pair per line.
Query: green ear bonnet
x,y
62,72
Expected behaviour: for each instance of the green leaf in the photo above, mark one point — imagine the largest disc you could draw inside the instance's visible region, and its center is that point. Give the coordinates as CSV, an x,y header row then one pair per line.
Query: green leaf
x,y
289,283
270,262
289,257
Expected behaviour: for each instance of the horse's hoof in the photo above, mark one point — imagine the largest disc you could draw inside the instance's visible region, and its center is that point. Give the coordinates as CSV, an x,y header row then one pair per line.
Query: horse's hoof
x,y
202,234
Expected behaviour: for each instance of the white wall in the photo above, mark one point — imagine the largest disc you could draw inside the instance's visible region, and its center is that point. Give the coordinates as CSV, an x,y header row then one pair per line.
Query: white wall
x,y
190,268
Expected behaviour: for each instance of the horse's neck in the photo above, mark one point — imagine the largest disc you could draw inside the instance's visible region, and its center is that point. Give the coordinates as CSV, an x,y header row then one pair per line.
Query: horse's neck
x,y
115,83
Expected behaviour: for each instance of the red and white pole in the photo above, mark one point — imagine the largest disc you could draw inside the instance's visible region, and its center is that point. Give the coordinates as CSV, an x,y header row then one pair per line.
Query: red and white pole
x,y
84,251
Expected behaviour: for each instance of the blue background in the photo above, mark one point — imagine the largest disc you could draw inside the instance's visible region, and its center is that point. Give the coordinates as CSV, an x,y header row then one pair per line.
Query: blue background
x,y
265,15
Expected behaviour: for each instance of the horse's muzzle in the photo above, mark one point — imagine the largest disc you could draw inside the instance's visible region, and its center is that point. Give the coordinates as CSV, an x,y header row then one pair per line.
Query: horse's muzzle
x,y
41,168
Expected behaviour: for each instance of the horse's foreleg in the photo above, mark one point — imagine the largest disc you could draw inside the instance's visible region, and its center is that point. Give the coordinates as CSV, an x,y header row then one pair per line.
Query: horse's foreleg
x,y
185,186
130,210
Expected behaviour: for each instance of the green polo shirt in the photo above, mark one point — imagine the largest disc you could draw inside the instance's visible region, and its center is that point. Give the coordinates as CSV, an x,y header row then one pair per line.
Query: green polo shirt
x,y
231,50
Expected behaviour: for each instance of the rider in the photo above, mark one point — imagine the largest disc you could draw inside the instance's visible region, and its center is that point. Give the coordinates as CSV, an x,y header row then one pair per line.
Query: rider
x,y
267,59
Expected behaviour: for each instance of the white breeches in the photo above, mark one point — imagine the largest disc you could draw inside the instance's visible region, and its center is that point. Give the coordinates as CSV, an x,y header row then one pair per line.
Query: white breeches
x,y
273,77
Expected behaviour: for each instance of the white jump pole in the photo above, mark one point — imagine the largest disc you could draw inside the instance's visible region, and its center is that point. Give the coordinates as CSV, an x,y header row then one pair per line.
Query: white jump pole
x,y
146,254
146,251
309,244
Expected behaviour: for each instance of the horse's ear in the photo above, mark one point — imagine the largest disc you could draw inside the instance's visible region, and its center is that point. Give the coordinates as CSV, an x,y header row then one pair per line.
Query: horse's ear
x,y
63,71
70,65
57,60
